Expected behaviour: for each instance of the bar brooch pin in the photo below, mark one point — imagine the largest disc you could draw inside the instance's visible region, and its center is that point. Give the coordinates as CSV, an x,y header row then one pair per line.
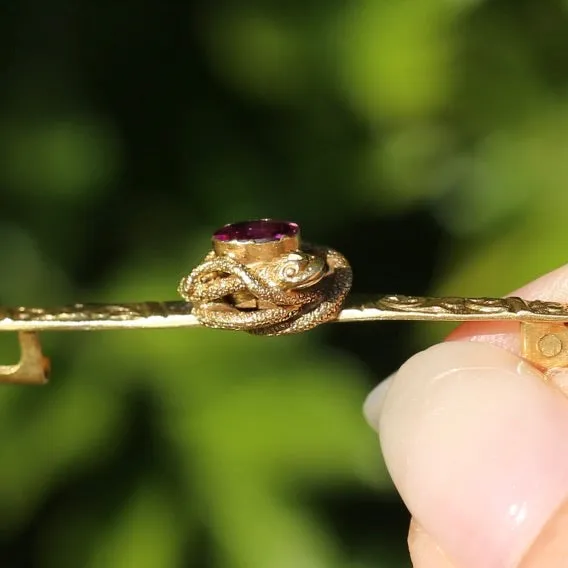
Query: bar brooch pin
x,y
260,278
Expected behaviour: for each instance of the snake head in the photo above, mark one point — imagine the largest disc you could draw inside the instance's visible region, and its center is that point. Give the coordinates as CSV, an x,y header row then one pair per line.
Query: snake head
x,y
296,270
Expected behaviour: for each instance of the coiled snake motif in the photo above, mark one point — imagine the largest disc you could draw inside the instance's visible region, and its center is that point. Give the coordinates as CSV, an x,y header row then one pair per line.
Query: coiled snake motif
x,y
289,294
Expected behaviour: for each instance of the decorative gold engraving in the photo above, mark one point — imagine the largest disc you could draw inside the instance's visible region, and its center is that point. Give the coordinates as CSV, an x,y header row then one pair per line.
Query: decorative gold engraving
x,y
289,293
453,309
99,316
260,278
544,335
144,315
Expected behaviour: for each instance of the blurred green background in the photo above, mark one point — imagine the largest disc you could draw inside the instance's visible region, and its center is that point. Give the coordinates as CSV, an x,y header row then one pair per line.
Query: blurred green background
x,y
425,139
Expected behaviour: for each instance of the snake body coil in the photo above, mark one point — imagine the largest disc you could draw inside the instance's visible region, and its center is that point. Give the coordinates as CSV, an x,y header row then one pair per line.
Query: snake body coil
x,y
269,298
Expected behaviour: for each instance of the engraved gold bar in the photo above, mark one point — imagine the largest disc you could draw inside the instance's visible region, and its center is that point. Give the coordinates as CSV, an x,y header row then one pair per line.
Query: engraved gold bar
x,y
156,315
544,333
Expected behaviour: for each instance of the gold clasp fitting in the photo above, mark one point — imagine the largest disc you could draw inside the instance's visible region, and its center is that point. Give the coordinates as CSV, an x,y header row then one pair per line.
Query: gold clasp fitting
x,y
545,345
33,368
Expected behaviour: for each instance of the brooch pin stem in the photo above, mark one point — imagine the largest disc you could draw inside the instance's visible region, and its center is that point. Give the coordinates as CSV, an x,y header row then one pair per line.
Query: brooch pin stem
x,y
33,368
259,277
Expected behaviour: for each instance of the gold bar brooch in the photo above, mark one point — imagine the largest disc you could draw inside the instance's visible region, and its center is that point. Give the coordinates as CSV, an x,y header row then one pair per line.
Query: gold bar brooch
x,y
260,278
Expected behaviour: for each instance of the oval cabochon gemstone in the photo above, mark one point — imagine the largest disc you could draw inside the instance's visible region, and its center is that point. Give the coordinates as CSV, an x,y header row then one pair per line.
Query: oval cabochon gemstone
x,y
260,231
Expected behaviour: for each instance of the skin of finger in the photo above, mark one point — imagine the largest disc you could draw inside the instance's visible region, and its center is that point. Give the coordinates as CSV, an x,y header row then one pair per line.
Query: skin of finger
x,y
424,551
477,445
374,403
550,549
551,287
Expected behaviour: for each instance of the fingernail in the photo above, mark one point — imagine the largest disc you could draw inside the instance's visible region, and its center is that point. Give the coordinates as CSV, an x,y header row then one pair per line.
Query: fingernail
x,y
477,445
425,552
374,402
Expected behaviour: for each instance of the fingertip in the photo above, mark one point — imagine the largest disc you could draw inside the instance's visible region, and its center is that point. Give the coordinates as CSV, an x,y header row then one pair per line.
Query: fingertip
x,y
424,550
477,445
550,549
373,405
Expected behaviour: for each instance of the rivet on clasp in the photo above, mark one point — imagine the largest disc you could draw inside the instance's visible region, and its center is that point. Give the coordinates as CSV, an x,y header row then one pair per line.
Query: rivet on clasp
x,y
33,368
545,345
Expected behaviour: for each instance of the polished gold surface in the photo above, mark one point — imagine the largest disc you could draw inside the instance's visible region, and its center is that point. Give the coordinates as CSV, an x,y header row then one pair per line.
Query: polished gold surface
x,y
87,317
260,278
398,307
175,314
32,369
544,336
247,252
545,345
288,293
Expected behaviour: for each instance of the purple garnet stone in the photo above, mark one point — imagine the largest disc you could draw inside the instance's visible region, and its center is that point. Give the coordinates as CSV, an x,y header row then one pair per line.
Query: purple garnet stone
x,y
261,231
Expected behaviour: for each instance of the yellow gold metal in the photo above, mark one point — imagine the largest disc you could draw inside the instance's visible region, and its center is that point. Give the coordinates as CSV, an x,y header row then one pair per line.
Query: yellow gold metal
x,y
545,345
283,294
33,368
260,278
543,330
419,308
247,252
89,317
544,335
178,314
